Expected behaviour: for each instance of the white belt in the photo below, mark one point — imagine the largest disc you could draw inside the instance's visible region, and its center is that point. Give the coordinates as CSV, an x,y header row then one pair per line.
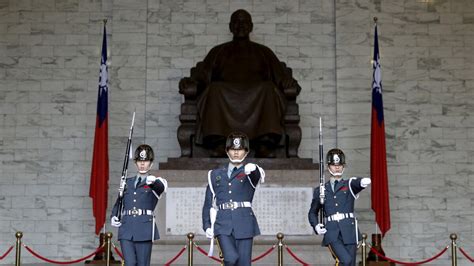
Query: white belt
x,y
138,212
234,205
339,216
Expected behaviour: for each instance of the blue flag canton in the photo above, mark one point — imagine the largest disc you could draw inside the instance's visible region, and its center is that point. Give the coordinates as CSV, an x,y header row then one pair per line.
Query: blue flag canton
x,y
377,82
103,81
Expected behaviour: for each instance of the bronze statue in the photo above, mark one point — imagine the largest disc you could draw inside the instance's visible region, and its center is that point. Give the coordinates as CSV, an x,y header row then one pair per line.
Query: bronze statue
x,y
241,86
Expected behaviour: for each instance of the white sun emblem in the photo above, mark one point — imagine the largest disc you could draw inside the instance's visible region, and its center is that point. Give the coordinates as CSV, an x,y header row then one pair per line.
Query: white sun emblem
x,y
143,154
336,158
236,143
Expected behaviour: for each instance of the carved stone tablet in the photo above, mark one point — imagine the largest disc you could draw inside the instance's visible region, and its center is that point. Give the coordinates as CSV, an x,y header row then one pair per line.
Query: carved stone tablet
x,y
278,209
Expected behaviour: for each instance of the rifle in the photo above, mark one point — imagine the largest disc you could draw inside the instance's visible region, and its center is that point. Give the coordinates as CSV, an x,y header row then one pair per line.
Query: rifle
x,y
123,182
322,180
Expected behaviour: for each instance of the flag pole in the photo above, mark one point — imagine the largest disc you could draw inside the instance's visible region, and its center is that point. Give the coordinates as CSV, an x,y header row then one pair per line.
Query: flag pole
x,y
376,226
105,224
103,228
378,164
100,162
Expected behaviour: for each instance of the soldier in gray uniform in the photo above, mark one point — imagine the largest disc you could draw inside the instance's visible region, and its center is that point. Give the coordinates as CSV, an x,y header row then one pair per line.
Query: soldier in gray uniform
x,y
137,228
227,212
340,231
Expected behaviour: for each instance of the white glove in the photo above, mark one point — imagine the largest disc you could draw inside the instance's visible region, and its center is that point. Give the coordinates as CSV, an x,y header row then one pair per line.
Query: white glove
x,y
320,230
212,214
250,167
209,233
365,182
114,221
150,179
122,184
322,190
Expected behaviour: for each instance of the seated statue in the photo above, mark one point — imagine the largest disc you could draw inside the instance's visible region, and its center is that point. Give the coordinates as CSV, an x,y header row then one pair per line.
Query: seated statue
x,y
240,86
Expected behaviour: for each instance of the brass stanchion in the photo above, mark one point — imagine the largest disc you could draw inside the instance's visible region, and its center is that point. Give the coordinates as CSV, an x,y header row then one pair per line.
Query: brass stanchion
x,y
454,247
364,249
190,248
108,239
18,235
100,257
280,248
369,256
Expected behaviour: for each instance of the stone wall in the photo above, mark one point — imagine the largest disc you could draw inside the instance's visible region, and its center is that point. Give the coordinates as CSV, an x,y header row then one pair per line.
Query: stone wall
x,y
50,54
49,58
428,89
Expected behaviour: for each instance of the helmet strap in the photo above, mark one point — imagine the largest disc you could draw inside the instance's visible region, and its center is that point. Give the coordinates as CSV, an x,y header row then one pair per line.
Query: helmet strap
x,y
235,161
147,170
336,174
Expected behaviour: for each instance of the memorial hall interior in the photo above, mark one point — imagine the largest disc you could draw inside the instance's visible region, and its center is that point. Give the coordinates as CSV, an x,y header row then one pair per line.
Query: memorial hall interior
x,y
50,58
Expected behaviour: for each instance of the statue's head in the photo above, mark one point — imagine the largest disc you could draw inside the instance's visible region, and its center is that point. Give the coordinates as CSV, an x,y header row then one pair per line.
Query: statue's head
x,y
241,24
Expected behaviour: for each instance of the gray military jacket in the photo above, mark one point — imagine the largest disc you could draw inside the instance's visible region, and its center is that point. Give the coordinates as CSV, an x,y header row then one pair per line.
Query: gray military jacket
x,y
139,227
238,188
339,202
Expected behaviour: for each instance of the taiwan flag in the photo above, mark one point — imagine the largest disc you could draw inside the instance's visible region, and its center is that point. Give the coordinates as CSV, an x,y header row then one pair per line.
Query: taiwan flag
x,y
378,160
99,186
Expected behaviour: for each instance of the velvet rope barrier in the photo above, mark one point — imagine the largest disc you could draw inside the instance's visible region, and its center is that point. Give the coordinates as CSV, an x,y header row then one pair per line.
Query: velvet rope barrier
x,y
6,253
205,253
176,257
466,255
410,263
295,257
99,249
264,254
117,251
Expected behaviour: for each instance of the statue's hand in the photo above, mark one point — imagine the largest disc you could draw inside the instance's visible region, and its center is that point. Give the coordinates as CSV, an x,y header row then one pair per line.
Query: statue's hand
x,y
290,86
187,86
287,83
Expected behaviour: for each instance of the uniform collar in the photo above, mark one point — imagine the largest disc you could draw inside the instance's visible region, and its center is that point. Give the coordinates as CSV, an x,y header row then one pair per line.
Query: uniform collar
x,y
332,179
231,165
332,186
230,168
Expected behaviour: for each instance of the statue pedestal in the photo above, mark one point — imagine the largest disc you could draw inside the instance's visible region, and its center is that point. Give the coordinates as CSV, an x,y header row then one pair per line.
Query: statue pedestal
x,y
286,194
185,163
191,182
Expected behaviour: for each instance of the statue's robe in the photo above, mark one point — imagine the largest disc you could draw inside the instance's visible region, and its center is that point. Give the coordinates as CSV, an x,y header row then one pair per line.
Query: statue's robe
x,y
242,90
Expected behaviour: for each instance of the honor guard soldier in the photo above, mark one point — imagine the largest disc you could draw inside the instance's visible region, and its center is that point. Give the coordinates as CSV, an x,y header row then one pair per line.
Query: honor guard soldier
x,y
227,212
137,228
340,230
